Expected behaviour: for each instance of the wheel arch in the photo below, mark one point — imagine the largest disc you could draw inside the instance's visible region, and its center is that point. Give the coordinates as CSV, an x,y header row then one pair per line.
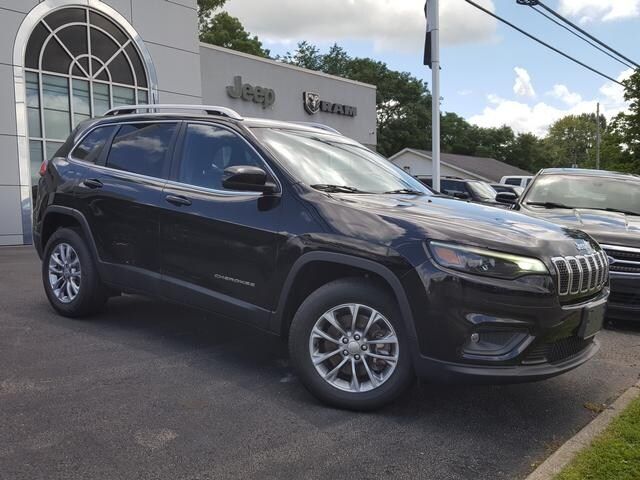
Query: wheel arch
x,y
347,265
56,217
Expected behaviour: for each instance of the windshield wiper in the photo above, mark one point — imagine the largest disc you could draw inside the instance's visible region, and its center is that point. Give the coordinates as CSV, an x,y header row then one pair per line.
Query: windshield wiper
x,y
549,205
407,191
325,187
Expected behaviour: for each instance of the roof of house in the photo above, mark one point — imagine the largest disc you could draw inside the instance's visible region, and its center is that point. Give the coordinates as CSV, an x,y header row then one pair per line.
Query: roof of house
x,y
487,168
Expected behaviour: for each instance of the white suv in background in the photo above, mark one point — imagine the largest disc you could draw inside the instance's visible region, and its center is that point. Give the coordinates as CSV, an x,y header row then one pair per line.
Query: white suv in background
x,y
518,181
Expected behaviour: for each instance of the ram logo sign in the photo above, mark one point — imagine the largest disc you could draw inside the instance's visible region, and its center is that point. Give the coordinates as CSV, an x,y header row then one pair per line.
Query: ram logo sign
x,y
314,104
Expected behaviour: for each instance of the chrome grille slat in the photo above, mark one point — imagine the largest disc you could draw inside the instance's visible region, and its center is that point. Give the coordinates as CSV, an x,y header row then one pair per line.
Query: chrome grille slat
x,y
581,273
626,259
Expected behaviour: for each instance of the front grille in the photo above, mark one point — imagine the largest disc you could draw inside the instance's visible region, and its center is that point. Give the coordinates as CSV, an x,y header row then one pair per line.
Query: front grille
x,y
625,259
581,273
556,351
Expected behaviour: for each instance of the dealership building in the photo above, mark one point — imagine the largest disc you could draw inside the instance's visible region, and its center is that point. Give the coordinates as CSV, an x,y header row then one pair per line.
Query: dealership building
x,y
64,61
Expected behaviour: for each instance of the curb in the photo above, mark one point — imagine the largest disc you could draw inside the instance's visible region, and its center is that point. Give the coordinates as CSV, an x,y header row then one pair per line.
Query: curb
x,y
561,457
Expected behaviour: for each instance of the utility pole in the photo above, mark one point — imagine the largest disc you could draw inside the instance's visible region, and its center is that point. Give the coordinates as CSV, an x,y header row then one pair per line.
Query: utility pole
x,y
598,136
435,95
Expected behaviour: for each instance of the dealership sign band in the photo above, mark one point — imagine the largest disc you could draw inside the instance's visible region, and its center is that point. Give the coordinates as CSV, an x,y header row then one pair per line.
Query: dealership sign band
x,y
314,104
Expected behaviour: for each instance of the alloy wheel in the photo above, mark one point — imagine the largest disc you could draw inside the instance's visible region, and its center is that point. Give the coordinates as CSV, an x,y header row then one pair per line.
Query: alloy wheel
x,y
64,272
354,348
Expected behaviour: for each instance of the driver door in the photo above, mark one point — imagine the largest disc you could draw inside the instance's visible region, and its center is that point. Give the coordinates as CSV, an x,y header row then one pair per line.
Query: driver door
x,y
218,246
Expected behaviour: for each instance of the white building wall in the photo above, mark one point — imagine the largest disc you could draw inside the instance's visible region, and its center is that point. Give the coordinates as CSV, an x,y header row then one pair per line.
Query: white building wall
x,y
220,66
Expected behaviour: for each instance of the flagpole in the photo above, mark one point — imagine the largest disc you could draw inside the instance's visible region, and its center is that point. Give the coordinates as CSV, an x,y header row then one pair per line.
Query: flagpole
x,y
435,96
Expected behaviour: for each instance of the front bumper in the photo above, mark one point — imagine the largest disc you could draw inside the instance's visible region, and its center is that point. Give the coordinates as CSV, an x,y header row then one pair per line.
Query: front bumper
x,y
624,303
534,335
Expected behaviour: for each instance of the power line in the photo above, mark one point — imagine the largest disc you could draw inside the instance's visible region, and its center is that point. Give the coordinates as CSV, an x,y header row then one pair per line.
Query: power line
x,y
593,44
541,42
576,27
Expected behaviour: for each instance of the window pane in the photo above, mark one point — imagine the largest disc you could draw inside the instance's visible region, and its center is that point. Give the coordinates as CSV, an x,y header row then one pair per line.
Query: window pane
x,y
143,98
100,99
52,148
106,24
33,105
208,150
57,121
64,16
74,38
91,146
55,59
142,148
102,46
36,40
123,96
121,70
35,159
81,104
137,65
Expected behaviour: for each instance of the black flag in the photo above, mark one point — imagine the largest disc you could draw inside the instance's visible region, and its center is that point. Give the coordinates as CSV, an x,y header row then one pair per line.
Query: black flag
x,y
427,40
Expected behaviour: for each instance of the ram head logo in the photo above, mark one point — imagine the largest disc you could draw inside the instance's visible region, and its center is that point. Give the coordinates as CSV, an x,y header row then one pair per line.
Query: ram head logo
x,y
311,102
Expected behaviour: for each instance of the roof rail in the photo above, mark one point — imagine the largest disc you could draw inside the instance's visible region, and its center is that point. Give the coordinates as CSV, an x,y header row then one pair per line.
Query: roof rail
x,y
208,109
320,126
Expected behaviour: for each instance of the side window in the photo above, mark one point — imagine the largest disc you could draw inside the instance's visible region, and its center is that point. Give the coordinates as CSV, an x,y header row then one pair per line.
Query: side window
x,y
208,150
512,181
89,149
142,148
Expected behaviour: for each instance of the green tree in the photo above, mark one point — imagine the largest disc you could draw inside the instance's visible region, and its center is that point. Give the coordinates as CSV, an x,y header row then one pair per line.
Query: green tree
x,y
226,31
529,152
205,10
572,140
621,144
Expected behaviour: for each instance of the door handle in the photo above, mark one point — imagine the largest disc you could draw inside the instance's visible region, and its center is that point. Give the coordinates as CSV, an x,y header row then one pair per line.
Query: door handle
x,y
178,200
92,183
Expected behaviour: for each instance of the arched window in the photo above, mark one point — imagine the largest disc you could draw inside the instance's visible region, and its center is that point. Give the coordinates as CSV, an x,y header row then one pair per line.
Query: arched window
x,y
78,64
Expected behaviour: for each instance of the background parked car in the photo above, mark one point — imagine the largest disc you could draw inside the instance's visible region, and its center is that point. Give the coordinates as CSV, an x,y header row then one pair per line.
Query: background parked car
x,y
606,205
475,191
518,181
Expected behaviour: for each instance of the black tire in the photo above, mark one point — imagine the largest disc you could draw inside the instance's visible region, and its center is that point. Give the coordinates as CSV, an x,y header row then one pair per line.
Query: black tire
x,y
333,294
92,294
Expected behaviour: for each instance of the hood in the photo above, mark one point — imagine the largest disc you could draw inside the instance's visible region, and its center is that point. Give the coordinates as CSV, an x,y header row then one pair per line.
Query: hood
x,y
611,228
398,219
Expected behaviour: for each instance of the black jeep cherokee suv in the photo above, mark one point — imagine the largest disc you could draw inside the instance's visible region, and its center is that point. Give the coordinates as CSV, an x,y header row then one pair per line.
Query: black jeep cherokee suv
x,y
303,232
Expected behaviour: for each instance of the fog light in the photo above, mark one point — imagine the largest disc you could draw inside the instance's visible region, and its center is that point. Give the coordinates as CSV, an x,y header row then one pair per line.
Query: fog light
x,y
493,343
475,337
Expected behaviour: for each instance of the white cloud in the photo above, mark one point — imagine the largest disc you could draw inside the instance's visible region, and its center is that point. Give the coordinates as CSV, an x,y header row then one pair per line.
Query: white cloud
x,y
563,93
537,118
389,24
522,85
606,10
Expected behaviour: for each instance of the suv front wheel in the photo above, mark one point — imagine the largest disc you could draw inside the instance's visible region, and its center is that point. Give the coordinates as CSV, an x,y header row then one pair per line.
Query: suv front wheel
x,y
70,276
348,345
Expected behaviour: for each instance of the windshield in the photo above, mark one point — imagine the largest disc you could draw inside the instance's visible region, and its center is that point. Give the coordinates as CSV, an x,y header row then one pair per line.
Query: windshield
x,y
327,161
586,191
483,190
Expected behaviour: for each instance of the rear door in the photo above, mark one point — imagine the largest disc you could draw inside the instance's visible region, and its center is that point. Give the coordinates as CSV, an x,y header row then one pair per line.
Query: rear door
x,y
120,196
218,245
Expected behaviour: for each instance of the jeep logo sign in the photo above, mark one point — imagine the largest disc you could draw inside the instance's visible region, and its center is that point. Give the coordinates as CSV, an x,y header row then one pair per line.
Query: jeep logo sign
x,y
261,95
313,104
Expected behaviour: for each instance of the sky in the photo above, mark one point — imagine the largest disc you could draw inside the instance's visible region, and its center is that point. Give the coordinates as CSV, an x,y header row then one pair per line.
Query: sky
x,y
491,75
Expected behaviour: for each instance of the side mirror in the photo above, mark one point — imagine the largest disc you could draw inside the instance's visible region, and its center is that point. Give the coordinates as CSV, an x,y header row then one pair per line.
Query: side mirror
x,y
506,197
247,178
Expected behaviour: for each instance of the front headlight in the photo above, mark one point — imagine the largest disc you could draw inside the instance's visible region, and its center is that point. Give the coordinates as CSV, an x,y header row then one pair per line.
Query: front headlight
x,y
479,261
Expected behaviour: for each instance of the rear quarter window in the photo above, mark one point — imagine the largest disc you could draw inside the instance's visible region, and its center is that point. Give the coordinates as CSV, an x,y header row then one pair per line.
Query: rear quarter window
x,y
143,148
92,145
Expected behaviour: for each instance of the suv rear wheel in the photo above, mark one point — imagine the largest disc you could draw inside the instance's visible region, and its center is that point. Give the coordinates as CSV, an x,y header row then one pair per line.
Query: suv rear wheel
x,y
347,344
70,276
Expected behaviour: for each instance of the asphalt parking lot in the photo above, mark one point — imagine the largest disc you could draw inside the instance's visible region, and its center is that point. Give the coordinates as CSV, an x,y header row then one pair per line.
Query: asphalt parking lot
x,y
151,390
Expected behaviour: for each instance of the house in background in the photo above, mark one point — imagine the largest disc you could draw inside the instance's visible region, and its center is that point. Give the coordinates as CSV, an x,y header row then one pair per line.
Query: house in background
x,y
418,162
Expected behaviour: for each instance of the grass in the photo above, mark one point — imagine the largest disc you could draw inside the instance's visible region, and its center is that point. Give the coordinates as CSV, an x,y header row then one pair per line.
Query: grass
x,y
614,454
